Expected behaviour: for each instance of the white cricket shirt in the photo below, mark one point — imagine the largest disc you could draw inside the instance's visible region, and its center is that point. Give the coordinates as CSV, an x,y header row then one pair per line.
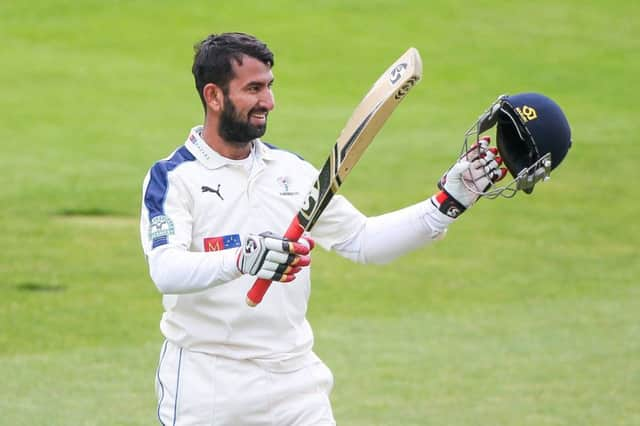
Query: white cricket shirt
x,y
197,208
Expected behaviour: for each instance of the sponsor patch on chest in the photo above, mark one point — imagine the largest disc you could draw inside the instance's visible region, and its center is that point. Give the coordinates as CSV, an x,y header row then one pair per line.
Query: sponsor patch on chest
x,y
222,243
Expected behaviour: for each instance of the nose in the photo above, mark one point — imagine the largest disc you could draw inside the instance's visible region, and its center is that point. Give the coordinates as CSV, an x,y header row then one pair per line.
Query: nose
x,y
267,100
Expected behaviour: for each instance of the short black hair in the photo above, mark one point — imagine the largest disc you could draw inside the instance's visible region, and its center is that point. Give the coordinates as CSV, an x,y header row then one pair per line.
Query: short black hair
x,y
213,55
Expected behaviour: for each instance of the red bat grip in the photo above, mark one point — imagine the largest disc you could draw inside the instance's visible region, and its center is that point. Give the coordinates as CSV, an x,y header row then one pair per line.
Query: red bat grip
x,y
260,287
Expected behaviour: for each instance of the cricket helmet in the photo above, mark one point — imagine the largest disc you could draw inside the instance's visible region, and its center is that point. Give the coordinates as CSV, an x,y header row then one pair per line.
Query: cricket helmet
x,y
532,135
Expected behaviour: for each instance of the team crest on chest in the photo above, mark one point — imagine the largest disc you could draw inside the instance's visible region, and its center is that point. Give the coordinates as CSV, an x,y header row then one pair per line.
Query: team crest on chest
x,y
284,183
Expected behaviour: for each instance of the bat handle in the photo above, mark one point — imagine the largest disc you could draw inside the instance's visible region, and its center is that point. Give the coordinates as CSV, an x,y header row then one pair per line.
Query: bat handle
x,y
260,287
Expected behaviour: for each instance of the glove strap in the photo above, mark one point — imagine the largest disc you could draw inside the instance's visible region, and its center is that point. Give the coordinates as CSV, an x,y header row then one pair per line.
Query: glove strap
x,y
447,204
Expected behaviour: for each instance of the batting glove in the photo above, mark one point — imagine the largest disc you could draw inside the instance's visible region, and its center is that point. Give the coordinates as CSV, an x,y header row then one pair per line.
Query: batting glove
x,y
267,256
474,172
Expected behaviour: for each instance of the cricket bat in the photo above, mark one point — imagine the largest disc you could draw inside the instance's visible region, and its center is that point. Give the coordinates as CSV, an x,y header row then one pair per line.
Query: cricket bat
x,y
363,125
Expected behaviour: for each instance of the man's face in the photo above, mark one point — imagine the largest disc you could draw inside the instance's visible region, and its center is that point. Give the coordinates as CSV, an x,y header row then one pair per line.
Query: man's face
x,y
247,103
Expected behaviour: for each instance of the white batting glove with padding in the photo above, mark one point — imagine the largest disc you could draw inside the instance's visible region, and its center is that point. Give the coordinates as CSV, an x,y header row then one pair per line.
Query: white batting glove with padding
x,y
267,256
474,172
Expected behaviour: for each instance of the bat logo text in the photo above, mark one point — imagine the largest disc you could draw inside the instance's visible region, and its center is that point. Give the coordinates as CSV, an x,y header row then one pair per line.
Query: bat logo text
x,y
396,73
306,214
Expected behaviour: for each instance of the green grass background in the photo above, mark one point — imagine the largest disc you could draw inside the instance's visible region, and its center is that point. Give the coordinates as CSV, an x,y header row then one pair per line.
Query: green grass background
x,y
528,313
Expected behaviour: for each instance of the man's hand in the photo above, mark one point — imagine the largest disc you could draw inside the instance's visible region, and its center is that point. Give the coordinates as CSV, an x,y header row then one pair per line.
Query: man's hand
x,y
270,257
474,172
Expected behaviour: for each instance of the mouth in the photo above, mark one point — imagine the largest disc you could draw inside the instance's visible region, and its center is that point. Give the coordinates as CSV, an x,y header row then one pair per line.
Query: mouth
x,y
258,117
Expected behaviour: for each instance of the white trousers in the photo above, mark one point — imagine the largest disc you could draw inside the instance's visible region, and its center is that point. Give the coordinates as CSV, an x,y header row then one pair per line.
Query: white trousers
x,y
195,388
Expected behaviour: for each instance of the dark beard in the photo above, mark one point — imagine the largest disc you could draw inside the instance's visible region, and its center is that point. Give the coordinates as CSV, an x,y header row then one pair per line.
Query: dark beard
x,y
234,128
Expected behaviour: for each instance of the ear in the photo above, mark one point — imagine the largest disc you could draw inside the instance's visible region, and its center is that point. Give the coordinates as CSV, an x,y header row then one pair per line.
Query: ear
x,y
213,96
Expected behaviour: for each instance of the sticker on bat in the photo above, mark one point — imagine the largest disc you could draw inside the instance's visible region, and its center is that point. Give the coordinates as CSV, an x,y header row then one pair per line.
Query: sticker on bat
x,y
309,206
396,73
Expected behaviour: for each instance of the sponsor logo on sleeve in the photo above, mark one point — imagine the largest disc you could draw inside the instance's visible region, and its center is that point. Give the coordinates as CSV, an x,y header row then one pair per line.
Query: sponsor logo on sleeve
x,y
160,228
222,243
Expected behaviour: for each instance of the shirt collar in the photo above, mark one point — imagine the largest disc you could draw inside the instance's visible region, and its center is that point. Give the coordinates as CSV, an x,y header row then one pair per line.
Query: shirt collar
x,y
211,159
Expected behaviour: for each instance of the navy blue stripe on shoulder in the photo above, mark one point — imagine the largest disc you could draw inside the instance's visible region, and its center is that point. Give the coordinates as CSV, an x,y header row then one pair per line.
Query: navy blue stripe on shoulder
x,y
271,146
156,192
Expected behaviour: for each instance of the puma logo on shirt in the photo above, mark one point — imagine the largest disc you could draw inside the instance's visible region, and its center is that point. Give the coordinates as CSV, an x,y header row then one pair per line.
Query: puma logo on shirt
x,y
215,191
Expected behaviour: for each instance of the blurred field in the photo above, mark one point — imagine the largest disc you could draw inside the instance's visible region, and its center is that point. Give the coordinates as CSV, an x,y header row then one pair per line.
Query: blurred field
x,y
528,313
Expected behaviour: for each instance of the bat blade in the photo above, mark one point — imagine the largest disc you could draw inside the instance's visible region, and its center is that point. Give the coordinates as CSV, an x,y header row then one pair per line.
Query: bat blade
x,y
364,124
